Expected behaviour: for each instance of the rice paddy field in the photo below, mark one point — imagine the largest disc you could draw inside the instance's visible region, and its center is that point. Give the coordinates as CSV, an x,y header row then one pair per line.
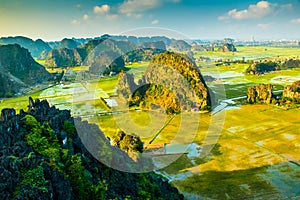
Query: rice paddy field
x,y
240,152
251,53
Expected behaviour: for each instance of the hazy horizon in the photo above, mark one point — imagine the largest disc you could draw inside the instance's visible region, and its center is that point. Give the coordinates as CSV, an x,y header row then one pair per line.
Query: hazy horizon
x,y
205,20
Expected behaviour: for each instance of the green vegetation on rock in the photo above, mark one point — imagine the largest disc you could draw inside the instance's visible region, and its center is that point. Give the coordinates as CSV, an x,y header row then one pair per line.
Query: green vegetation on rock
x,y
127,142
292,92
261,93
63,58
46,159
263,67
171,81
18,70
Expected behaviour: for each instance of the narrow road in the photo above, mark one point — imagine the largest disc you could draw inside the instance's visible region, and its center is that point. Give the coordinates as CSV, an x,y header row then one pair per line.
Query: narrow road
x,y
166,124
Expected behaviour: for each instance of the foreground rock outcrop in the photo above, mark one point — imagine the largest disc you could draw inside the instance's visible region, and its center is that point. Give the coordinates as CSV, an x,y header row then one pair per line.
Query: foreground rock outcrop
x,y
42,156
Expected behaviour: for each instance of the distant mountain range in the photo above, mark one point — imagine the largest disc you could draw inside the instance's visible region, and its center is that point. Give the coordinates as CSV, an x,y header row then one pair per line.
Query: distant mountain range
x,y
104,55
37,48
40,49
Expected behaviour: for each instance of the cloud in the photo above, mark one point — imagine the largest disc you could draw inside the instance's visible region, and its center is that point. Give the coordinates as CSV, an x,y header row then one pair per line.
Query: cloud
x,y
101,9
111,16
174,1
263,26
135,6
137,16
295,21
155,22
75,22
255,11
85,17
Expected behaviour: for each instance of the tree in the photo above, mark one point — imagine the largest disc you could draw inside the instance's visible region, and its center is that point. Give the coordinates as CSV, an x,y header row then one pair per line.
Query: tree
x,y
129,143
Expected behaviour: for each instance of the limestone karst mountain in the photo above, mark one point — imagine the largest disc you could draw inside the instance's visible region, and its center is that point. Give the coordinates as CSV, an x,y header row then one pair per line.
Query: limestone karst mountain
x,y
18,70
172,81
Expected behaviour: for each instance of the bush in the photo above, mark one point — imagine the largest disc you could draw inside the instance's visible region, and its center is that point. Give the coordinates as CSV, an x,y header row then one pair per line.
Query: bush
x,y
30,121
35,178
69,127
129,143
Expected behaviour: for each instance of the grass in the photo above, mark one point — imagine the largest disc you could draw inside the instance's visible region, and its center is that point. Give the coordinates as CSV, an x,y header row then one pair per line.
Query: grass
x,y
251,53
236,83
41,62
59,69
243,184
249,146
107,84
18,102
137,69
145,123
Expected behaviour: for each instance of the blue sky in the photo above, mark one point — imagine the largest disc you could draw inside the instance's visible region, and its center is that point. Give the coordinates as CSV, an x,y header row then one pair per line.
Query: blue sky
x,y
214,19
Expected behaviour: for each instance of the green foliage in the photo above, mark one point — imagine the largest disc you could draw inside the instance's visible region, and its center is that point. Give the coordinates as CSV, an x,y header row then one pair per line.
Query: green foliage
x,y
15,159
76,175
35,178
268,66
129,143
30,121
9,94
170,81
216,150
146,189
69,127
80,182
42,140
150,95
262,67
98,191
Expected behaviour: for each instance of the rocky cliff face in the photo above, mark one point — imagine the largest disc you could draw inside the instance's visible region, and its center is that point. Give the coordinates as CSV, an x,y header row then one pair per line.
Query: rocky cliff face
x,y
19,69
43,157
227,48
68,44
261,93
179,46
292,92
106,63
104,56
171,81
158,46
183,69
9,87
63,58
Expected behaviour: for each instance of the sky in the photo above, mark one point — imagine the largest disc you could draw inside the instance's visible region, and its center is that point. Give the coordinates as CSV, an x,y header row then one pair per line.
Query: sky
x,y
193,19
